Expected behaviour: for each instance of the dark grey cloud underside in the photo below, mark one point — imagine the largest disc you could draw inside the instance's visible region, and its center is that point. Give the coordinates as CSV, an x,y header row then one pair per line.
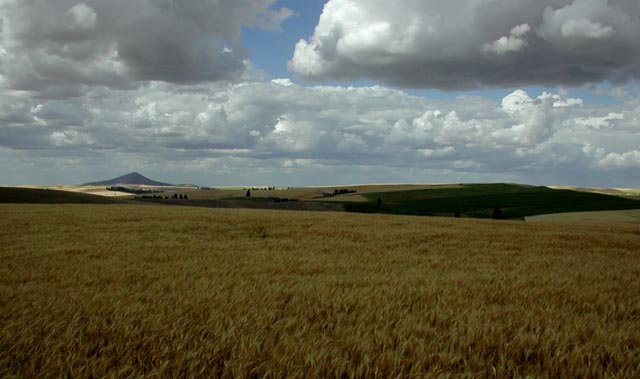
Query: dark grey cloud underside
x,y
62,48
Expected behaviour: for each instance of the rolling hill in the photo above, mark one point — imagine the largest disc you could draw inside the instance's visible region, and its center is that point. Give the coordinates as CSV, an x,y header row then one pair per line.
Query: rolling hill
x,y
479,200
468,200
47,196
133,178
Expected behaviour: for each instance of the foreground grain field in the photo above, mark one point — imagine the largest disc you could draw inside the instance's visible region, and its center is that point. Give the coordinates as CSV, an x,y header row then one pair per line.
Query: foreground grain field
x,y
152,291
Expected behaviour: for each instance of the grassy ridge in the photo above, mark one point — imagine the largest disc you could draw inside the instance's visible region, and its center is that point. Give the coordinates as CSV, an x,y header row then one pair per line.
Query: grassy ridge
x,y
47,196
146,291
479,200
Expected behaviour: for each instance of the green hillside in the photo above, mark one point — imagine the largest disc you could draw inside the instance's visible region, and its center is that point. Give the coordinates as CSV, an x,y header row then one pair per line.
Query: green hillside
x,y
479,201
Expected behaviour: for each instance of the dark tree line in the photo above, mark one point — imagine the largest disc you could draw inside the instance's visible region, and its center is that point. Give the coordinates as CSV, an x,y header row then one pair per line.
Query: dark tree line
x,y
136,191
175,196
343,191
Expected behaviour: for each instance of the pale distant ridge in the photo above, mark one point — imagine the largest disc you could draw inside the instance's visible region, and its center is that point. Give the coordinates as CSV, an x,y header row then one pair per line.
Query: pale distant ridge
x,y
133,178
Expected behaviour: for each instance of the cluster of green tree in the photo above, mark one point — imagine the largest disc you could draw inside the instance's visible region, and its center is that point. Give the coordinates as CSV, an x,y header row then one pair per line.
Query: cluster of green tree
x,y
144,197
281,199
175,196
133,190
266,188
343,191
337,192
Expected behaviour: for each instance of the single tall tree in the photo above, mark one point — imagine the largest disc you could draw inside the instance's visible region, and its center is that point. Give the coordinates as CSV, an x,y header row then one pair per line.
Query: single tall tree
x,y
497,212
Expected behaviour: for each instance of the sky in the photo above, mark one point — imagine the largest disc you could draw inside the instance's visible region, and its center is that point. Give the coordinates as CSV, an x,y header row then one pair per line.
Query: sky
x,y
300,93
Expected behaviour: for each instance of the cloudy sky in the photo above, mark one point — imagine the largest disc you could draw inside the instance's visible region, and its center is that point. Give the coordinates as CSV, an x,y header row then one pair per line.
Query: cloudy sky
x,y
227,92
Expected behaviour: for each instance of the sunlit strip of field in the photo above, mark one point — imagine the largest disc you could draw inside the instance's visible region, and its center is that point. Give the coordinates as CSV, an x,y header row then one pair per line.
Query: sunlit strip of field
x,y
602,217
629,192
92,190
149,291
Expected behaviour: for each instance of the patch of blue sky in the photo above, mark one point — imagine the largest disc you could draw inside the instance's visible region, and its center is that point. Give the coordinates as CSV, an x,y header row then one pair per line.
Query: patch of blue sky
x,y
271,50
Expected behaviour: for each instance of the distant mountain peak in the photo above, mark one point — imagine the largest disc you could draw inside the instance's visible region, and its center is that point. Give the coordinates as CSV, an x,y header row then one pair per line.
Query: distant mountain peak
x,y
133,178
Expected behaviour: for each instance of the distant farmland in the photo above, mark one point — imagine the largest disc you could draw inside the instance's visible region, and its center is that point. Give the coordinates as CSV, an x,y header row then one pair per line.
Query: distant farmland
x,y
466,200
151,291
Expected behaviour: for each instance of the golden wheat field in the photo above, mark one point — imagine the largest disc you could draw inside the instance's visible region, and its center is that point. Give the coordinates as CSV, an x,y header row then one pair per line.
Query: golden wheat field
x,y
161,292
629,216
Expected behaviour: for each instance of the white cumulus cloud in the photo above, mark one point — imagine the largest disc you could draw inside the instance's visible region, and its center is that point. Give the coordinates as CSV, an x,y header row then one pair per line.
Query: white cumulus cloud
x,y
84,16
274,133
468,44
514,42
629,159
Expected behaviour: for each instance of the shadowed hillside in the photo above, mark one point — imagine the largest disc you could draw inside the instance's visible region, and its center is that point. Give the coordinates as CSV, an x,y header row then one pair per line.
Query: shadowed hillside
x,y
45,196
480,200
